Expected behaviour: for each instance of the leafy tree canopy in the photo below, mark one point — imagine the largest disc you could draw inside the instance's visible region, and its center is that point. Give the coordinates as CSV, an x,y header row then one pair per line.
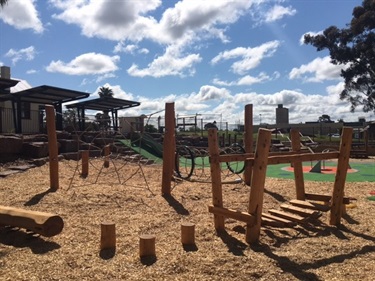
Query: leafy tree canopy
x,y
354,48
105,92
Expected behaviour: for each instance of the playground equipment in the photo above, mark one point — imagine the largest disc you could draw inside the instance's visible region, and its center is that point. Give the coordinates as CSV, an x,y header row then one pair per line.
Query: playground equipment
x,y
42,223
299,210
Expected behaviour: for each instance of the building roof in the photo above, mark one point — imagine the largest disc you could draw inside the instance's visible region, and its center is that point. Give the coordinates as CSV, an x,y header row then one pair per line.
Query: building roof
x,y
104,103
7,83
45,95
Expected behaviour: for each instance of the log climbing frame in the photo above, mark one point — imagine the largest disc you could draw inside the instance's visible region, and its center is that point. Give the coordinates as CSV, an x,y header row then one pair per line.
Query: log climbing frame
x,y
258,161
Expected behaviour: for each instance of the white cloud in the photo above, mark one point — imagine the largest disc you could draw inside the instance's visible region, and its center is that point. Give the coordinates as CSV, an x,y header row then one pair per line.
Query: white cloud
x,y
113,20
207,93
22,54
132,20
277,12
172,62
249,57
129,49
22,15
188,17
318,70
246,80
86,64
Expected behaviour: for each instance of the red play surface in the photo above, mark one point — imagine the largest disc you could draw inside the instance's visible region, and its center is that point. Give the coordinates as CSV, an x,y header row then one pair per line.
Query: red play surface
x,y
325,170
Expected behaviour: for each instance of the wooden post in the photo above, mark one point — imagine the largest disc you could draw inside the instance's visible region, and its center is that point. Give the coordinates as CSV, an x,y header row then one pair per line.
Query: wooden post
x,y
297,166
217,196
187,233
147,245
341,172
52,148
258,180
85,163
42,223
107,151
169,148
108,236
248,141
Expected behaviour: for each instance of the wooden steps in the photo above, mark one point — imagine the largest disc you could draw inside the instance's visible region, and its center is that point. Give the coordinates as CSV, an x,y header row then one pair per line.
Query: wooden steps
x,y
296,212
310,205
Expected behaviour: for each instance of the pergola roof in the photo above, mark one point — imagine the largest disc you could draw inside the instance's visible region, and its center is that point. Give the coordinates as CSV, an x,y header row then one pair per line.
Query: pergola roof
x,y
46,95
7,83
105,103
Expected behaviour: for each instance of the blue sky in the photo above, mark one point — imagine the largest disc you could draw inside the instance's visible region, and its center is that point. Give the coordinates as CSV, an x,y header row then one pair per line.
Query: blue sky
x,y
209,57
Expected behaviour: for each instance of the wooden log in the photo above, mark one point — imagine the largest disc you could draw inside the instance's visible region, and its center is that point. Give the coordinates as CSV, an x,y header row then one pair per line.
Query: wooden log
x,y
107,151
297,166
53,150
258,180
304,157
169,149
42,223
248,138
107,235
187,233
233,214
215,170
85,163
147,245
310,205
340,178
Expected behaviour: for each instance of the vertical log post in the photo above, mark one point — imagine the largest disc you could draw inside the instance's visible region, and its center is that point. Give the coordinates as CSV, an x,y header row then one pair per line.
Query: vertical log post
x,y
341,172
52,148
258,180
107,236
297,166
147,245
248,141
187,233
85,163
217,196
107,151
169,148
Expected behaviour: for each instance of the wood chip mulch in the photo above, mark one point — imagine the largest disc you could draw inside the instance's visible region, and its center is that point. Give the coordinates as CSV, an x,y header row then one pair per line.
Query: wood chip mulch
x,y
129,195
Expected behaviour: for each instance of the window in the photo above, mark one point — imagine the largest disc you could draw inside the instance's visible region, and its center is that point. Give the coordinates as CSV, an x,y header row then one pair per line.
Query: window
x,y
25,110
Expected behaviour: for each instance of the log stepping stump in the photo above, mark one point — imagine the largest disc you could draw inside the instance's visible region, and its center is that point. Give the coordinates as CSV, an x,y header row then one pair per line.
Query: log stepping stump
x,y
187,233
147,245
107,236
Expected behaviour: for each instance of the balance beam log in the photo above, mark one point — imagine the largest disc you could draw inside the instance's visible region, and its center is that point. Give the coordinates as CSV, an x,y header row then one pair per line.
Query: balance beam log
x,y
45,224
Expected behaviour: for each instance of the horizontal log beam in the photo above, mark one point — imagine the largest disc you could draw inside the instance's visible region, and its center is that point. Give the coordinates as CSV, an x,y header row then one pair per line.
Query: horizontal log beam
x,y
233,214
280,158
45,224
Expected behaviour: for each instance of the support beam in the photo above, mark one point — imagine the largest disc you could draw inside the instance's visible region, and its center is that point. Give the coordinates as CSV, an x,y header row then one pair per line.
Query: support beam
x,y
217,193
258,180
341,172
169,149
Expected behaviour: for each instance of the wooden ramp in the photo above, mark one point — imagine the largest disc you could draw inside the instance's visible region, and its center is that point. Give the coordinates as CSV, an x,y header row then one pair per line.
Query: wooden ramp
x,y
299,211
293,213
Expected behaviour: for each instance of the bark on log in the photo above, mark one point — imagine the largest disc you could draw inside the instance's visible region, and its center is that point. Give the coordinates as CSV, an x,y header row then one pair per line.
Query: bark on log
x,y
45,224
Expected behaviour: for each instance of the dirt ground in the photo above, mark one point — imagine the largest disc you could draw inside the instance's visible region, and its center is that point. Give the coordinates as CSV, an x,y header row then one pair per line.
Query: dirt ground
x,y
129,195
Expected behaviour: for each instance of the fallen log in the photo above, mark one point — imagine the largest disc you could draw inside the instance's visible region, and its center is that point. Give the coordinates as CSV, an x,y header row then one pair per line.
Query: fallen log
x,y
45,224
